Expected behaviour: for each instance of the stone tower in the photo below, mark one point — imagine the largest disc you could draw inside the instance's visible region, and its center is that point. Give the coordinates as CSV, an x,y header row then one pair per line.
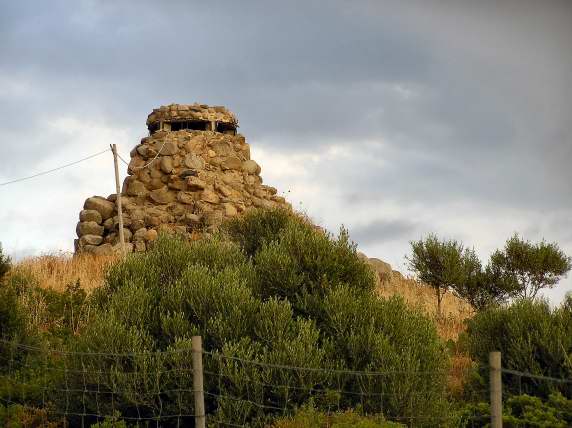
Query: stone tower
x,y
192,172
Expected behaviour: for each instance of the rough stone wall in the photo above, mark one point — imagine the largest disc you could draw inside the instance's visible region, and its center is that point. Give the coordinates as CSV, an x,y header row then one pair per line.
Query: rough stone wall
x,y
174,112
182,182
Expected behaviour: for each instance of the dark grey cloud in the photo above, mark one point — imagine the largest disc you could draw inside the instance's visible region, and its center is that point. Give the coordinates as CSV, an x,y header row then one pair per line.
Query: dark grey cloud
x,y
437,105
381,231
339,73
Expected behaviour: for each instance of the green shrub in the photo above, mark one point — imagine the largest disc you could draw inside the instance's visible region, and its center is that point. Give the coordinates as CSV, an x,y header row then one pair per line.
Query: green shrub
x,y
12,332
532,337
5,264
111,422
12,318
309,417
270,291
16,416
47,312
257,227
372,335
523,411
302,263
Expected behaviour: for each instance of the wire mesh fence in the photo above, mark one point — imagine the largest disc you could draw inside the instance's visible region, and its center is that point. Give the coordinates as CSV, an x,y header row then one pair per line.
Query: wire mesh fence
x,y
518,383
252,390
156,389
82,388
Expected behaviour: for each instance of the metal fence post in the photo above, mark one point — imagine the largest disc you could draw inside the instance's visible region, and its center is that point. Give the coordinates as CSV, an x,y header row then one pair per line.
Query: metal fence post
x,y
496,388
197,351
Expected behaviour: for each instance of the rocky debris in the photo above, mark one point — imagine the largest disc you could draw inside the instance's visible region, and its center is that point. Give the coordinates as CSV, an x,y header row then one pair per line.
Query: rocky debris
x,y
384,273
179,182
382,268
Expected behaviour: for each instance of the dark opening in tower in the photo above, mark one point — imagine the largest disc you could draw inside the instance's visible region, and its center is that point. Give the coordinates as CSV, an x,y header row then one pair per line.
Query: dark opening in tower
x,y
193,125
154,127
226,128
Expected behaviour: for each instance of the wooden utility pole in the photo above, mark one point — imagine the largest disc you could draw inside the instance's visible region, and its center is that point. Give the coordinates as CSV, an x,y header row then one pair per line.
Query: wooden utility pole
x,y
118,192
197,351
495,380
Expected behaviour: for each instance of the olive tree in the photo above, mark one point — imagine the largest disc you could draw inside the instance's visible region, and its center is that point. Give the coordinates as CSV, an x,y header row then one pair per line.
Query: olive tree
x,y
533,266
484,286
438,264
446,266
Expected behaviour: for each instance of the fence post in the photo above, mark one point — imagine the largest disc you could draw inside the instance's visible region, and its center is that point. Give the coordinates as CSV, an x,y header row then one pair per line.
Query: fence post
x,y
197,351
496,388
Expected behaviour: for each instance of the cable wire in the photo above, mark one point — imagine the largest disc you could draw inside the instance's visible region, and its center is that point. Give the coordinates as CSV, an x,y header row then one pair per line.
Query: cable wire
x,y
136,168
54,169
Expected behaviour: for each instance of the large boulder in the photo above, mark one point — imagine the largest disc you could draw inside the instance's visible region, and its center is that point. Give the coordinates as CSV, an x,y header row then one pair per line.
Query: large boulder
x,y
103,250
167,164
210,197
194,162
90,215
195,183
89,228
251,167
101,205
140,235
151,235
136,188
162,196
231,163
168,148
186,198
90,240
382,269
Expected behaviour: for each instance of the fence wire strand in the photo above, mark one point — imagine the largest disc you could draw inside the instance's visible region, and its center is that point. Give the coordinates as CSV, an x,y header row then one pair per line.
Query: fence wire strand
x,y
156,388
84,388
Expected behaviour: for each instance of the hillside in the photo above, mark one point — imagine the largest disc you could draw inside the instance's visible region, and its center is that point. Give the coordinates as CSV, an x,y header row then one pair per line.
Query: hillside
x,y
280,304
56,271
416,294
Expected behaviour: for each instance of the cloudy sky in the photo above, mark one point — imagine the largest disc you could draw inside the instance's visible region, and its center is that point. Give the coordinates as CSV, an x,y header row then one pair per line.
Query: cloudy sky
x,y
393,118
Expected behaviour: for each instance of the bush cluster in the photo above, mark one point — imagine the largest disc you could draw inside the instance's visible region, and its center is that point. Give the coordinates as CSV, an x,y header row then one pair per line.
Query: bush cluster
x,y
532,337
273,289
309,417
268,291
268,288
523,411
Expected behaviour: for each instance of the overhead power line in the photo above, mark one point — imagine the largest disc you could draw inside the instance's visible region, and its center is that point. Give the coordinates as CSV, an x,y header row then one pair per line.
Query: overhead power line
x,y
136,168
54,169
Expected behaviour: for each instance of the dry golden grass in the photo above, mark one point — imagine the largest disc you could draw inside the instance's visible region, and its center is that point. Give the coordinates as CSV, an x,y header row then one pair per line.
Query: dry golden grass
x,y
460,368
449,326
56,271
455,310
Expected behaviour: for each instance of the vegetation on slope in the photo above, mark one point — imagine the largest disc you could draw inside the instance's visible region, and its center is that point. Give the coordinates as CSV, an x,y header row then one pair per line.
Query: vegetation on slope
x,y
269,288
267,293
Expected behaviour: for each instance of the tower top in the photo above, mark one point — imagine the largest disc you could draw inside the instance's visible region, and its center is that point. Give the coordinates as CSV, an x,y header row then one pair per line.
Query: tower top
x,y
194,117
